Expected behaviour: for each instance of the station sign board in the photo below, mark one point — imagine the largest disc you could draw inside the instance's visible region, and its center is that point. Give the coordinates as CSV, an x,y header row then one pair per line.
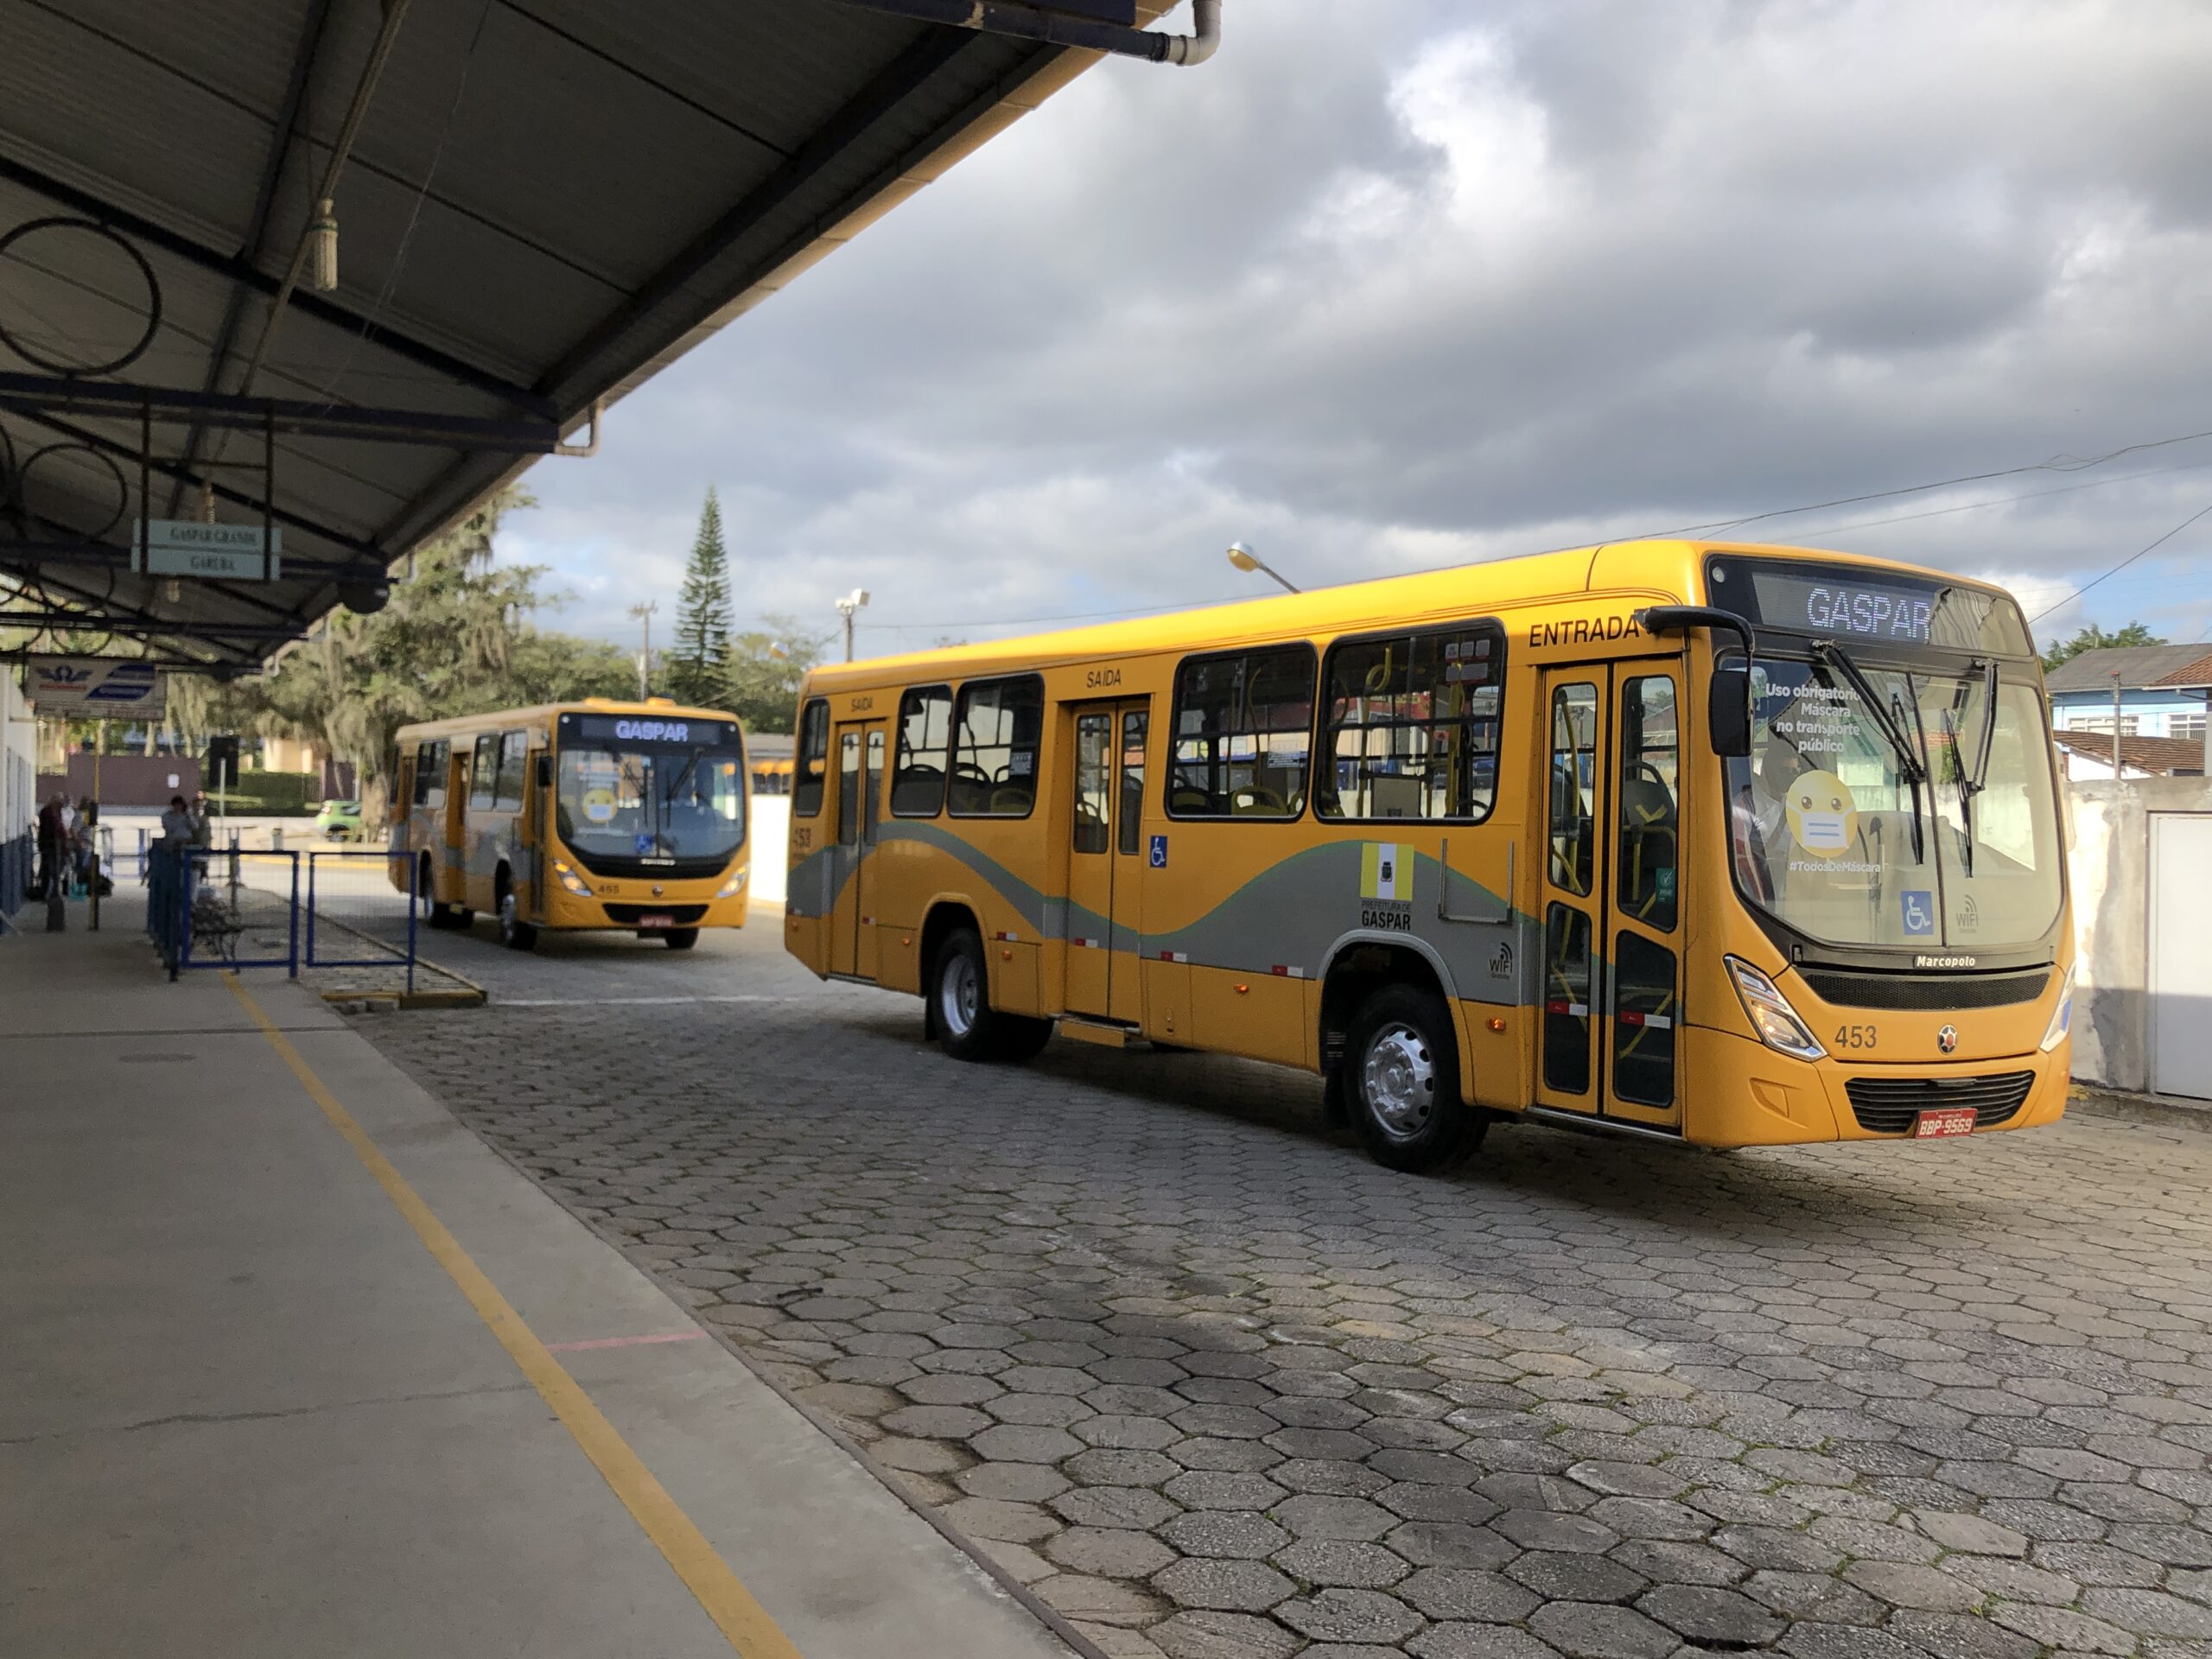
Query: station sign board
x,y
185,547
94,687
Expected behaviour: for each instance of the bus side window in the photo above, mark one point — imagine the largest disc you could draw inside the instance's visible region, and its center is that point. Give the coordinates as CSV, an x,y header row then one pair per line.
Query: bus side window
x,y
925,746
994,755
1240,740
813,759
514,757
430,775
483,774
1412,725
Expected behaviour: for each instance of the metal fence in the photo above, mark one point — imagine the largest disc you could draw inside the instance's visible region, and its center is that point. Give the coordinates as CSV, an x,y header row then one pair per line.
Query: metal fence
x,y
238,909
356,916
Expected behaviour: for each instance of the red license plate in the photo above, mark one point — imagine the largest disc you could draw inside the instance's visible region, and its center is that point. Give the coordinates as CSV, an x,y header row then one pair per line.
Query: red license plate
x,y
1952,1120
669,921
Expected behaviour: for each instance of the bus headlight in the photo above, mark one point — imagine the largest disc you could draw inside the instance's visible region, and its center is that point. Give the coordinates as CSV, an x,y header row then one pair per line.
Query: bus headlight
x,y
734,886
1771,1015
567,878
2062,1017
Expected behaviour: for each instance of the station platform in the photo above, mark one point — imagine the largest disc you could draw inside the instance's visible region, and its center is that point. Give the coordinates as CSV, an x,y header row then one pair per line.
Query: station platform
x,y
295,1364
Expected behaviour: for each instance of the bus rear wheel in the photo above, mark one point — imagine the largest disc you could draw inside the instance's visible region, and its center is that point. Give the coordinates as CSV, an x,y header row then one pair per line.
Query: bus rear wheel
x,y
968,1028
681,938
1401,1083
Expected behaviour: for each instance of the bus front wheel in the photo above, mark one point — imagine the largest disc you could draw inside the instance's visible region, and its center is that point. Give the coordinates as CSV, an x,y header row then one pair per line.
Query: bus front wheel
x,y
1401,1083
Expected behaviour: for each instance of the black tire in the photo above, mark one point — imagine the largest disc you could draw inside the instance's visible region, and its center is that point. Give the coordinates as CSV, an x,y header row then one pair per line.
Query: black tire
x,y
514,932
1019,1037
960,999
681,938
1401,1083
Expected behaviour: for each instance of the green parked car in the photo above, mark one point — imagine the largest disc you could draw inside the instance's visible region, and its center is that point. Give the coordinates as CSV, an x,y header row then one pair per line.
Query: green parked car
x,y
339,821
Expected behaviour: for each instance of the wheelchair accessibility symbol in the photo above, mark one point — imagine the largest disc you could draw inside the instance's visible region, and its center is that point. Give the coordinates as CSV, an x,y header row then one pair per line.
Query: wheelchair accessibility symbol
x,y
1919,910
1159,852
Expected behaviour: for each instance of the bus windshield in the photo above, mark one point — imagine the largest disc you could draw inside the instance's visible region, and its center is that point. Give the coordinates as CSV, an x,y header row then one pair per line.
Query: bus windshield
x,y
1883,806
663,802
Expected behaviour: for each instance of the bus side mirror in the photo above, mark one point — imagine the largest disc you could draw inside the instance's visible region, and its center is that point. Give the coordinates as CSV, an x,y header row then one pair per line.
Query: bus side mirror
x,y
1728,710
545,772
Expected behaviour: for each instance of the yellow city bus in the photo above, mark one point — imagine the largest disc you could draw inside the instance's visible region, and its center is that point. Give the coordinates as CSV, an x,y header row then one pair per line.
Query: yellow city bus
x,y
576,816
1726,845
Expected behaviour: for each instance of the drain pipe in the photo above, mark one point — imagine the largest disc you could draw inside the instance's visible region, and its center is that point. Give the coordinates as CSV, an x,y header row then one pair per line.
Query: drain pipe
x,y
1034,20
1202,42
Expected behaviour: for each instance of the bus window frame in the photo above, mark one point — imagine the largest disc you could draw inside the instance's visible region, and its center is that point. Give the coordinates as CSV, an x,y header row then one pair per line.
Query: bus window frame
x,y
1496,629
902,752
514,747
1175,736
433,755
813,723
969,688
483,781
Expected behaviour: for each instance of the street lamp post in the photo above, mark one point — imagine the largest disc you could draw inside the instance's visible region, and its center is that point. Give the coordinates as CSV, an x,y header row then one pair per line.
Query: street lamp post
x,y
644,616
1245,559
846,607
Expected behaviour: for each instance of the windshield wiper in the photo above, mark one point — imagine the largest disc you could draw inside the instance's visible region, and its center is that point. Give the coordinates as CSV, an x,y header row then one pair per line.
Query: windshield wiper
x,y
1889,722
1974,778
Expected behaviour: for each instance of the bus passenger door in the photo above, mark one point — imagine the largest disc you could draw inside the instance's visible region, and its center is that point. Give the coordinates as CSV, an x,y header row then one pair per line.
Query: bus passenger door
x,y
533,835
1106,863
1643,988
1571,905
860,761
1610,999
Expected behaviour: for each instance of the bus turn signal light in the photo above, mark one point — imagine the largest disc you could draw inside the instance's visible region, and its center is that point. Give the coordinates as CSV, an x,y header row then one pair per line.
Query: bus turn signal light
x,y
569,879
1495,1023
1771,1015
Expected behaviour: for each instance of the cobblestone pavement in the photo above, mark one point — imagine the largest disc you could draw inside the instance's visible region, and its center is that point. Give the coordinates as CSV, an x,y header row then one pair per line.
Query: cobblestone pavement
x,y
1216,1386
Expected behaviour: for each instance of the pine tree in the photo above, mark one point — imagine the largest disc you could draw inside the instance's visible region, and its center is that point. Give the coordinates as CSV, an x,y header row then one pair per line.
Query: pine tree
x,y
696,664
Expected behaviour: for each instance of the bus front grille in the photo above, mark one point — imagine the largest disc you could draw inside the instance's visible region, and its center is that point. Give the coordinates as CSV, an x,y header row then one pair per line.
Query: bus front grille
x,y
1889,1105
1925,993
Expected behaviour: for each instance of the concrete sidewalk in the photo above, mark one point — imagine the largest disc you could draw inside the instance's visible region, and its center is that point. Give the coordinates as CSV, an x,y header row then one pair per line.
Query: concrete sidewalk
x,y
244,1410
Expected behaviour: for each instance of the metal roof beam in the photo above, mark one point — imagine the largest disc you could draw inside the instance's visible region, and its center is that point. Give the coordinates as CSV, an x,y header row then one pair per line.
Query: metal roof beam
x,y
257,230
283,516
293,417
242,270
904,76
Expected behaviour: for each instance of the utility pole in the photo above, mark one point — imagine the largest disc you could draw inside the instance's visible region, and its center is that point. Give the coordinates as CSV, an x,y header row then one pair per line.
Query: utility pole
x,y
2115,725
644,616
847,605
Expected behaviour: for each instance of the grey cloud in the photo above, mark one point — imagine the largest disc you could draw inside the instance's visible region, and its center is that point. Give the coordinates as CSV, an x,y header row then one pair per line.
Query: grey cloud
x,y
1451,284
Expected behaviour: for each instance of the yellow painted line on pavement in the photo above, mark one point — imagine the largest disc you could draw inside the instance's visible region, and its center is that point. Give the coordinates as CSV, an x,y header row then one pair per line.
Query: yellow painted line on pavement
x,y
740,1618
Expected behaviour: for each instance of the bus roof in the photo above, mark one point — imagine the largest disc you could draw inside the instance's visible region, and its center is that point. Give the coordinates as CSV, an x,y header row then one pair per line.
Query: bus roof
x,y
546,713
1662,570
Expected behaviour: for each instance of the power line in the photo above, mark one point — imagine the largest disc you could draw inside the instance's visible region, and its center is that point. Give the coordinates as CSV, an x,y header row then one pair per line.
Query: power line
x,y
2123,563
2056,464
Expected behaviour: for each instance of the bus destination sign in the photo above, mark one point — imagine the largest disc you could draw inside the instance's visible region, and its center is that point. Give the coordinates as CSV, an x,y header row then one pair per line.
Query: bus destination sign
x,y
647,729
1843,602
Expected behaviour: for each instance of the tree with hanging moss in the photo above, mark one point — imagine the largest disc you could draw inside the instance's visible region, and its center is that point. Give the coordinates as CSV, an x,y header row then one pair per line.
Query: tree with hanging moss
x,y
696,665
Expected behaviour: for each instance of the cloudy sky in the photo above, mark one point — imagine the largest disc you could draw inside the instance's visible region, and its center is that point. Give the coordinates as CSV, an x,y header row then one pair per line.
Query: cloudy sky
x,y
1400,283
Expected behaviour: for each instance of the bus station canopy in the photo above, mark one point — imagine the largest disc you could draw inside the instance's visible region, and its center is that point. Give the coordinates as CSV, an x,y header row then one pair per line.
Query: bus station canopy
x,y
538,205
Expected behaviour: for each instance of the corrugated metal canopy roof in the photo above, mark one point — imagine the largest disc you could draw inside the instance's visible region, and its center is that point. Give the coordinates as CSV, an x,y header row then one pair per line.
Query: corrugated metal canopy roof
x,y
548,201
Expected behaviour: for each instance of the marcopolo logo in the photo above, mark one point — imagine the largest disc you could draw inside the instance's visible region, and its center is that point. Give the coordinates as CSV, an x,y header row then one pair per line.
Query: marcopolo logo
x,y
653,731
1945,961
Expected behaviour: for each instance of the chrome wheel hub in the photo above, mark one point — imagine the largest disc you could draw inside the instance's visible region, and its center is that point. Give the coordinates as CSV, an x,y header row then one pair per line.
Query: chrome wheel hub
x,y
959,996
1398,1080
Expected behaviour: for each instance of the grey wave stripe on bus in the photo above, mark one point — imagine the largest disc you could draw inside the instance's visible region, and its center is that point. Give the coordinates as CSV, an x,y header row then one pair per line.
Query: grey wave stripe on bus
x,y
1272,921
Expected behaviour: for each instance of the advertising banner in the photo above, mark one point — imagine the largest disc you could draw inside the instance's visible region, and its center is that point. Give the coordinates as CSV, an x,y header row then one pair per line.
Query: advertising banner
x,y
94,687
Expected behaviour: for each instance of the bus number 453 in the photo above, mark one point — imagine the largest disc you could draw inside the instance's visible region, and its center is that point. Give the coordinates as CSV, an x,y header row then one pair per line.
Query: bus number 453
x,y
1854,1036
